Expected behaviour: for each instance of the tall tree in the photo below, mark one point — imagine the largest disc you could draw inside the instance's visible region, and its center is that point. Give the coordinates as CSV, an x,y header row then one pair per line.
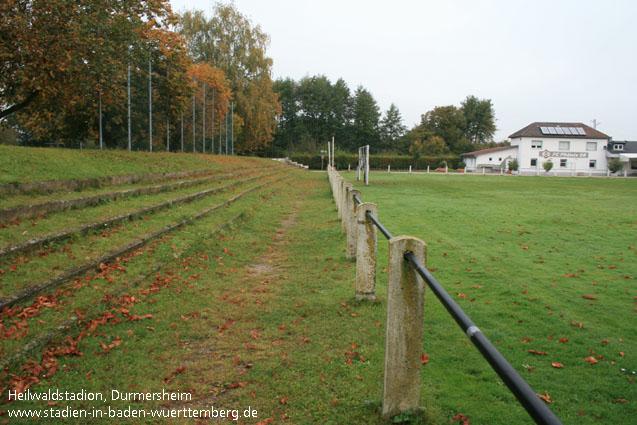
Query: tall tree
x,y
231,42
392,128
366,114
448,123
49,48
479,120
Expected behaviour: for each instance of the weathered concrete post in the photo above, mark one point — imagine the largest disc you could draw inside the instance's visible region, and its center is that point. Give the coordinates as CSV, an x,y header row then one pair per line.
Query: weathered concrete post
x,y
339,195
366,241
346,207
350,251
403,343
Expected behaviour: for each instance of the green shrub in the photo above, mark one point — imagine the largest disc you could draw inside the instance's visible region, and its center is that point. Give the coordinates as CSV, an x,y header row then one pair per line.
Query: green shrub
x,y
377,162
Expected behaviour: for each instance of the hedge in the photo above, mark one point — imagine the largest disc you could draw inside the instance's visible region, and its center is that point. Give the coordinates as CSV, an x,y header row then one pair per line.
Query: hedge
x,y
378,162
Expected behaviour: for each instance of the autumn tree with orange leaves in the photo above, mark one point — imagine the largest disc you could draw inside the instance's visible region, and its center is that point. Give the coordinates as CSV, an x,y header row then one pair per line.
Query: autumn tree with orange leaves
x,y
60,58
232,43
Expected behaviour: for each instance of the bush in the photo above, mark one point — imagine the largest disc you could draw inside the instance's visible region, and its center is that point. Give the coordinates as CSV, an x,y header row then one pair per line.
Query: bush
x,y
514,165
615,165
377,162
548,165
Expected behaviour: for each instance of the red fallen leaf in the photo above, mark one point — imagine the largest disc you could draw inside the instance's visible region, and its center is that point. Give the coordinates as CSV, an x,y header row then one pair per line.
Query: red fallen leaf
x,y
88,376
461,295
572,275
605,341
612,266
304,341
620,400
284,400
577,324
461,417
546,398
591,360
557,365
539,353
269,420
322,378
424,359
527,339
525,247
621,353
334,402
589,297
237,385
563,340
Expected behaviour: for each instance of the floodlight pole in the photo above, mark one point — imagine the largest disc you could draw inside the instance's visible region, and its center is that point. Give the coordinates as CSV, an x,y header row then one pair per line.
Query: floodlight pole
x,y
129,110
212,140
329,154
232,126
203,116
150,104
100,120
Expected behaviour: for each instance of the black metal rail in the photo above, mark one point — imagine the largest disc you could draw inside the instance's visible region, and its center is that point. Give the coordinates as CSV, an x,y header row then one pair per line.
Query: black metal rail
x,y
540,413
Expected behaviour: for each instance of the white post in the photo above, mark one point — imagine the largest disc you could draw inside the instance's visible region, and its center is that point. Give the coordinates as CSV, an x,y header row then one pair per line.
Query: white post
x,y
389,168
410,169
446,168
427,169
366,165
348,168
483,170
333,151
465,170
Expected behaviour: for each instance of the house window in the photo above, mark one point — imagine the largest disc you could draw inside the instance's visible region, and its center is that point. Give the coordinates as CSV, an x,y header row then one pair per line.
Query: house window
x,y
490,159
592,163
563,162
500,159
618,147
564,146
591,146
534,162
536,144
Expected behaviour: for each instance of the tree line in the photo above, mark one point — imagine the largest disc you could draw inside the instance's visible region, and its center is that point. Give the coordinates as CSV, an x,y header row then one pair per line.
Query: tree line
x,y
75,71
135,75
314,109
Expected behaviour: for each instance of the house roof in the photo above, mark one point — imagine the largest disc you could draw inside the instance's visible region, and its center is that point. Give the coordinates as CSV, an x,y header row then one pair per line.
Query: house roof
x,y
499,148
533,130
629,147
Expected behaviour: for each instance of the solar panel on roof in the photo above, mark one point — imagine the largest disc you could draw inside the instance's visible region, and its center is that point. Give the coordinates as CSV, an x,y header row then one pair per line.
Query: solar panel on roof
x,y
569,130
552,130
580,131
544,130
559,130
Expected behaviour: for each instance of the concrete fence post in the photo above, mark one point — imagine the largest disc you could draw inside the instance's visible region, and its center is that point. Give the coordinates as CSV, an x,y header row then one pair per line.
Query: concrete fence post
x,y
339,201
427,169
367,243
350,251
389,168
410,169
403,343
346,206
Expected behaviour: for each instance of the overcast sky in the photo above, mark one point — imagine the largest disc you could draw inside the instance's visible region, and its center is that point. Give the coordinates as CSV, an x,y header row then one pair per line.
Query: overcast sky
x,y
540,60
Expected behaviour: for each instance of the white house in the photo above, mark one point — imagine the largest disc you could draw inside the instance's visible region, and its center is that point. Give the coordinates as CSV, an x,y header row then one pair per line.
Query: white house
x,y
573,148
490,160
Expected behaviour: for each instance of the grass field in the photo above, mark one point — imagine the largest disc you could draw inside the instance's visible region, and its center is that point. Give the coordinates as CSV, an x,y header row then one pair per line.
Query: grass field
x,y
529,259
262,313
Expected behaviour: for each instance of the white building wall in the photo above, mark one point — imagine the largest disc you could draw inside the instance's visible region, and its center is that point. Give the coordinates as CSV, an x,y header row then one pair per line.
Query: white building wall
x,y
577,156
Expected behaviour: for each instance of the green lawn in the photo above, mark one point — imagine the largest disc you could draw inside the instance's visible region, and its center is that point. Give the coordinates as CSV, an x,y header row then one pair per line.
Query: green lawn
x,y
522,256
263,315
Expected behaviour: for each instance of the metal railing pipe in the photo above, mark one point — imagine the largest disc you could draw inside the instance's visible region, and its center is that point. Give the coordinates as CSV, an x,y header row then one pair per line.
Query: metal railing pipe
x,y
540,413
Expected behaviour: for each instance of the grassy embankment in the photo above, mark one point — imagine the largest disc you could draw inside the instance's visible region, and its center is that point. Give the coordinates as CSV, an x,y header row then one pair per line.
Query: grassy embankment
x,y
263,314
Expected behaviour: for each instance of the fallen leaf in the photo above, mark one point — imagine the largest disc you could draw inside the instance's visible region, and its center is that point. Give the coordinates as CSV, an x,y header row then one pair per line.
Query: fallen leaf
x,y
557,365
461,417
589,297
546,398
539,353
591,360
424,359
